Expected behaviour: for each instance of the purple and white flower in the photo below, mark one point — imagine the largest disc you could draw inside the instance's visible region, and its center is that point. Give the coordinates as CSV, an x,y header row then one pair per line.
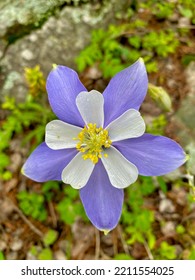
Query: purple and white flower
x,y
98,144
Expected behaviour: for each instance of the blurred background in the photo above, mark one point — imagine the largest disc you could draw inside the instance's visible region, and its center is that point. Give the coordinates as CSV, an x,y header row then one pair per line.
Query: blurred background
x,y
98,39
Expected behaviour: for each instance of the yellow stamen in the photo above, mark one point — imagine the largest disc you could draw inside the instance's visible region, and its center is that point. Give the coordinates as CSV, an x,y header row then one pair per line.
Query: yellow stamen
x,y
93,141
54,66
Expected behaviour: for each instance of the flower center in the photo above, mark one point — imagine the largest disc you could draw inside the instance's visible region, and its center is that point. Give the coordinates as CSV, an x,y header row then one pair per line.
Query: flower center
x,y
92,142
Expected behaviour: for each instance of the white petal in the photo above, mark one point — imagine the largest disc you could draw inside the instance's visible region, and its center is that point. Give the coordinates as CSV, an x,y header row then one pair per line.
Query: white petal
x,y
121,172
91,107
59,135
77,172
129,125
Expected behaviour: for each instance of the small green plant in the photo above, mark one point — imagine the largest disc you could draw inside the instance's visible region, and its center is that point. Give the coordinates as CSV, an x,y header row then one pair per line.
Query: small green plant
x,y
70,207
165,9
186,59
45,254
111,56
158,125
41,254
35,81
2,256
161,43
50,237
27,119
160,9
49,189
122,257
136,219
192,254
187,9
33,205
166,252
180,229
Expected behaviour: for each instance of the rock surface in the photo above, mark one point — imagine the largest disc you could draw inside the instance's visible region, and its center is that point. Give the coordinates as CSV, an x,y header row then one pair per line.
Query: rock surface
x,y
59,41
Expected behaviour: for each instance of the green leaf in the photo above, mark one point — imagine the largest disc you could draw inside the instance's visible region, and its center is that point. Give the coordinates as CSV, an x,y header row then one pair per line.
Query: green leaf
x,y
192,255
2,256
167,251
186,59
45,254
135,41
162,184
50,237
33,250
151,240
122,257
186,12
180,229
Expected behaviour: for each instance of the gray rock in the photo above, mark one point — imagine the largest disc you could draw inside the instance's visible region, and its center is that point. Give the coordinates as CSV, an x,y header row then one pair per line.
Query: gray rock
x,y
59,255
13,255
168,228
27,54
30,256
16,245
17,14
58,41
3,245
166,206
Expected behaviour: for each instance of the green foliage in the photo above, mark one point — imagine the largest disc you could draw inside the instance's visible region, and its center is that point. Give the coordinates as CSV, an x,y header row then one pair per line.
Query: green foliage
x,y
121,45
104,50
165,9
158,125
25,115
192,254
161,43
33,250
122,257
180,229
32,204
162,184
45,254
49,189
4,162
2,256
160,9
35,80
136,219
141,228
187,9
70,207
111,56
186,59
166,252
50,237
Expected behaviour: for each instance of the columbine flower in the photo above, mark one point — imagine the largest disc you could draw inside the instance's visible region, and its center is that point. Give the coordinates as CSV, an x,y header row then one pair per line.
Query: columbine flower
x,y
98,144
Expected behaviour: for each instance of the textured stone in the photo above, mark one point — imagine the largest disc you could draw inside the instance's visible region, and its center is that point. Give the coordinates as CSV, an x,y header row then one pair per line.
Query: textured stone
x,y
16,245
166,206
17,14
168,228
59,41
59,255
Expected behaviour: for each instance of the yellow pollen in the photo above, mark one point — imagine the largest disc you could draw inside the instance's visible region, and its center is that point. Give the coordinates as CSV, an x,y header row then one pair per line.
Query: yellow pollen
x,y
92,141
